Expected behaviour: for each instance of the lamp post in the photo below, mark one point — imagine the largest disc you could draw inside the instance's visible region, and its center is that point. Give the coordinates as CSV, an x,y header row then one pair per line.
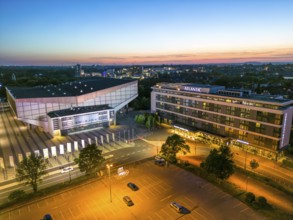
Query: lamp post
x,y
109,172
246,143
69,175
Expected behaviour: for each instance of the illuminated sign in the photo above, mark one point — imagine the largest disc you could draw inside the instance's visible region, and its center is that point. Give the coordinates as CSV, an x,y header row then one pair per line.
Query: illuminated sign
x,y
180,128
284,130
53,150
61,148
192,89
69,147
241,141
195,89
46,152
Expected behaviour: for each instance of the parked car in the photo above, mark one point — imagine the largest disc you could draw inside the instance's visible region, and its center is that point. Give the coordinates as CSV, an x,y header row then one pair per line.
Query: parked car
x,y
132,186
66,169
158,157
176,206
128,201
159,160
47,217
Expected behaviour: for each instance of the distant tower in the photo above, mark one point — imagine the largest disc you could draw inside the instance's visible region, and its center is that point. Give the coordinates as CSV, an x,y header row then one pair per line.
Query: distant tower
x,y
77,70
13,77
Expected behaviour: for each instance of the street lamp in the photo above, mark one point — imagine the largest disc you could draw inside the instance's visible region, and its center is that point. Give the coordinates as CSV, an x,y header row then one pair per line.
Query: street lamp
x,y
109,172
246,143
69,175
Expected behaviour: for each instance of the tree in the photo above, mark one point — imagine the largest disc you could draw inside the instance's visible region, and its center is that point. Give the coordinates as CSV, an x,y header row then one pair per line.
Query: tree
x,y
262,201
254,164
148,120
30,170
219,162
90,159
140,119
172,146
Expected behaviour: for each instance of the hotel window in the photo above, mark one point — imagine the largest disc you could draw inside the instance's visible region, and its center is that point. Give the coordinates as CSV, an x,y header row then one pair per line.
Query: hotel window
x,y
277,132
217,108
278,119
205,106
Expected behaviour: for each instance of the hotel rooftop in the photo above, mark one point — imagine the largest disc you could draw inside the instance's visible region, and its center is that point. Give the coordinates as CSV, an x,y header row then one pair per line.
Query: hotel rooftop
x,y
221,90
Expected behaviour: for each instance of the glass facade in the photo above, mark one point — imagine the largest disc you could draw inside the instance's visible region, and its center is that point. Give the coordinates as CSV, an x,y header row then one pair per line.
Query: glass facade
x,y
38,110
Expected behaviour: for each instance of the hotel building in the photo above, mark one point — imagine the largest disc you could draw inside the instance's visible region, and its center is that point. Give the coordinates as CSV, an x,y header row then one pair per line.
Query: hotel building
x,y
72,106
260,123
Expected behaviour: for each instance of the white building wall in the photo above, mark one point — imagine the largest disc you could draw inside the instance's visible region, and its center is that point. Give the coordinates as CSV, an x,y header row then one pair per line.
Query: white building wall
x,y
286,128
34,110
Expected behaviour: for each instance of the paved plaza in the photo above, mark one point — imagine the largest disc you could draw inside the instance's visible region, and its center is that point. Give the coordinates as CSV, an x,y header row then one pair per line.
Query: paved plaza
x,y
18,140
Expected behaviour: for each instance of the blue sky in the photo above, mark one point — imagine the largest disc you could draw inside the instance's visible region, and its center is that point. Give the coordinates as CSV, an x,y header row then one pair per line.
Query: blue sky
x,y
153,31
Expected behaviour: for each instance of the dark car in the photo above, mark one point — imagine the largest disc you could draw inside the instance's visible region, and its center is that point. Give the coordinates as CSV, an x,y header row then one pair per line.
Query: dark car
x,y
160,162
128,201
132,186
47,217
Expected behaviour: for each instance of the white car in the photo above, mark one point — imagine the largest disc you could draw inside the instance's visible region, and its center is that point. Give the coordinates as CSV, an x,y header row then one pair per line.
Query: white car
x,y
176,206
66,169
158,157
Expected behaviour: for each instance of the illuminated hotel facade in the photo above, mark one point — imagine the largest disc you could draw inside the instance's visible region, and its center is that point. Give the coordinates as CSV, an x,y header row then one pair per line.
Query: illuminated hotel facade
x,y
72,106
262,123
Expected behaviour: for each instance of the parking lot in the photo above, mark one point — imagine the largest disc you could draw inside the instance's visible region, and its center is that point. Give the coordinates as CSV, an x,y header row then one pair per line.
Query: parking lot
x,y
158,186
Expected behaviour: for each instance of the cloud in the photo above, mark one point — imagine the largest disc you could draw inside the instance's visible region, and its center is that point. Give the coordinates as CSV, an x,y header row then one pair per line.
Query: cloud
x,y
107,58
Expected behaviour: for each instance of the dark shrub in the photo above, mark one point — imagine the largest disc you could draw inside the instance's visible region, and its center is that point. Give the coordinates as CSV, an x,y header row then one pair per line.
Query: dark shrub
x,y
249,197
173,159
255,205
262,201
17,194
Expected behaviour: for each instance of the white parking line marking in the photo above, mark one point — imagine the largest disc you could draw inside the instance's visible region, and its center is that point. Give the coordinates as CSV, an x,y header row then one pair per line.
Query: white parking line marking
x,y
243,210
166,198
239,204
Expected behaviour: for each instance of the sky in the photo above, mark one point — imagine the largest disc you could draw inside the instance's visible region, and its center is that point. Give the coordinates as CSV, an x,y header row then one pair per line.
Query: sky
x,y
66,32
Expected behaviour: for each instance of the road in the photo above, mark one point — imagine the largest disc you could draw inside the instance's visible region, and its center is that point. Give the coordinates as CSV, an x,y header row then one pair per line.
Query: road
x,y
120,157
266,168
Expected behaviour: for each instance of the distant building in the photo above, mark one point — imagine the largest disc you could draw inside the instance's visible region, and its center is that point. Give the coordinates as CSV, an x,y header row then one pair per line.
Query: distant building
x,y
13,77
261,123
77,70
96,74
72,106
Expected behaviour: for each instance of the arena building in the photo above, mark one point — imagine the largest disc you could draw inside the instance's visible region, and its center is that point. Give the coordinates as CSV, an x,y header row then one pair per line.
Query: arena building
x,y
72,106
259,123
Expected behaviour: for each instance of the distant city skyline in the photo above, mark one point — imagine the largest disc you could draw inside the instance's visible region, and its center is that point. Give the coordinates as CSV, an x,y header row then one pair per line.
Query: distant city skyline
x,y
145,32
